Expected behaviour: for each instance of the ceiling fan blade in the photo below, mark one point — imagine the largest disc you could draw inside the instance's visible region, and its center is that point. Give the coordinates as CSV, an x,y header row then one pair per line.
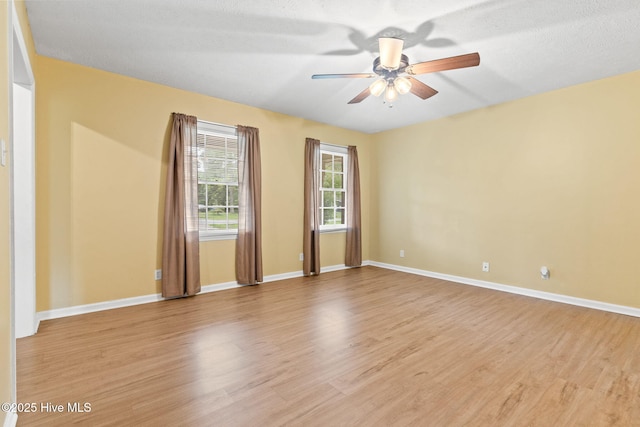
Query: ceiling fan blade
x,y
343,76
420,89
361,96
462,61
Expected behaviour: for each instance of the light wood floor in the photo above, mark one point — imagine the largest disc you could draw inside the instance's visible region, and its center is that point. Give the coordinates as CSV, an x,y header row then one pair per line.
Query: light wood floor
x,y
363,347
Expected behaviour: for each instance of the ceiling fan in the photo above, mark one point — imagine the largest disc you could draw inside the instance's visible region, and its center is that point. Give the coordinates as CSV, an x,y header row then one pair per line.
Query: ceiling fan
x,y
394,73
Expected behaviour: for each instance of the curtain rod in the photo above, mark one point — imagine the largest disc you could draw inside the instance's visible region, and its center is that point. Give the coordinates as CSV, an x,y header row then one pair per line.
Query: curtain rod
x,y
334,145
217,124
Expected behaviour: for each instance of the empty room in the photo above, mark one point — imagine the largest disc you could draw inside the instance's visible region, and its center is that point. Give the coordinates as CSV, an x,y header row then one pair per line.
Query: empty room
x,y
320,213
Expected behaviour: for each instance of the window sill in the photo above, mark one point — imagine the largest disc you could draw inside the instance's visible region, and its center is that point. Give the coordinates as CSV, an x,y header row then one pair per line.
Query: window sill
x,y
333,230
218,236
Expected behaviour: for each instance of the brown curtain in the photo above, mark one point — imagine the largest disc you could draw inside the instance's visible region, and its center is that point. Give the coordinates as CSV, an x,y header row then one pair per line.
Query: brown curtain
x,y
353,256
181,250
249,243
311,239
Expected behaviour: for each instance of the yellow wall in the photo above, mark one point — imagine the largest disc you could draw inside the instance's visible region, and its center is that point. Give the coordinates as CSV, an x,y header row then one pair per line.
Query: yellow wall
x,y
550,180
102,142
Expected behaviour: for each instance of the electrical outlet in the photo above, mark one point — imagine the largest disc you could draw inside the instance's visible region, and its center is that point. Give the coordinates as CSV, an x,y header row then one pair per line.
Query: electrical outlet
x,y
301,256
485,267
158,274
401,253
545,273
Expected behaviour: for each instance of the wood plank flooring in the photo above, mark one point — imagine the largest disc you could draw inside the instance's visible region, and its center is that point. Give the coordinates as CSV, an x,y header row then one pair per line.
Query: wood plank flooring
x,y
360,347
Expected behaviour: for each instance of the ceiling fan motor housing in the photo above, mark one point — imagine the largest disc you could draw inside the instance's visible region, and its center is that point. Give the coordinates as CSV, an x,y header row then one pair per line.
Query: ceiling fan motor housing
x,y
390,74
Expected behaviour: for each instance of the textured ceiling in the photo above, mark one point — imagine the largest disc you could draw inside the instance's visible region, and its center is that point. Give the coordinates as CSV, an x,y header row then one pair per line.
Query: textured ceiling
x,y
263,53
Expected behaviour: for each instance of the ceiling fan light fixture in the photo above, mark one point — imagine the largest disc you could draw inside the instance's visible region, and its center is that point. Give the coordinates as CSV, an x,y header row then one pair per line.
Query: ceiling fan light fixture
x,y
402,85
391,94
378,87
390,52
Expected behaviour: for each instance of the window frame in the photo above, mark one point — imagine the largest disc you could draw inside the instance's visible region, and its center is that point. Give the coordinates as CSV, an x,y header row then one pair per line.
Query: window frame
x,y
334,150
225,131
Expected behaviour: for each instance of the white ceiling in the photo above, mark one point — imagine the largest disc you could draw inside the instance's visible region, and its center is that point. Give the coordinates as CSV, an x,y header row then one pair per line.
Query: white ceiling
x,y
263,53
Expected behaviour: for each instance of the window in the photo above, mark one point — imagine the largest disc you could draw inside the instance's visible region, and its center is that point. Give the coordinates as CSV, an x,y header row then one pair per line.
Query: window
x,y
217,181
333,190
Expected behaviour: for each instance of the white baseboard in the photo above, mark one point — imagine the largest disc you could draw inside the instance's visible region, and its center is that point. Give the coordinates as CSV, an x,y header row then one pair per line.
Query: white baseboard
x,y
10,419
144,299
125,302
99,306
214,288
565,299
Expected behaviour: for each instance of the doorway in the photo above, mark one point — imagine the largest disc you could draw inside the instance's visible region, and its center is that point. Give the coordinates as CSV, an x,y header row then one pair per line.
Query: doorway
x,y
23,188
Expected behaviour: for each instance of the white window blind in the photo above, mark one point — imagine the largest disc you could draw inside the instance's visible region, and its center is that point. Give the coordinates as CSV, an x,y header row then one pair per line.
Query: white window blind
x,y
217,180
